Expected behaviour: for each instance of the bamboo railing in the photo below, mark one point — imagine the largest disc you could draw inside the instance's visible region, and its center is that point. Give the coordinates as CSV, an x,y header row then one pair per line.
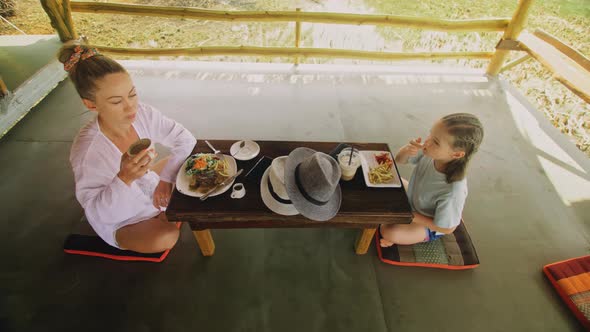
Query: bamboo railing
x,y
576,79
297,16
293,52
515,63
567,66
493,24
573,54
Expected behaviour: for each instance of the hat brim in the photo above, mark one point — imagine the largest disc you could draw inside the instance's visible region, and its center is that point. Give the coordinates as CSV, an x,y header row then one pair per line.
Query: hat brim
x,y
306,208
271,203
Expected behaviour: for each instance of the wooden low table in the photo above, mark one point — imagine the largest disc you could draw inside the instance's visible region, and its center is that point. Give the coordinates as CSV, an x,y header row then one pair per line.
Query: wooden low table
x,y
362,207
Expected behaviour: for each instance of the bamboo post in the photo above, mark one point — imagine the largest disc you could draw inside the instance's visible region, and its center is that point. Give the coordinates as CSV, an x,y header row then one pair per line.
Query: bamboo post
x,y
512,31
60,14
3,88
297,35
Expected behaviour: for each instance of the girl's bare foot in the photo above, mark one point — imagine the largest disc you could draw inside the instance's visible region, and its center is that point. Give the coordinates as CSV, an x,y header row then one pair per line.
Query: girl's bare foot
x,y
384,243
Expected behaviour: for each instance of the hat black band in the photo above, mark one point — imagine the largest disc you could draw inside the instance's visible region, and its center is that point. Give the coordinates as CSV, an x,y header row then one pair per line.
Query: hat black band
x,y
274,195
303,192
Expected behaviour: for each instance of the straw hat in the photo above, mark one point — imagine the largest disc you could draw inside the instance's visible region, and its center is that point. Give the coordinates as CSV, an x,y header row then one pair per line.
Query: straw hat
x,y
273,191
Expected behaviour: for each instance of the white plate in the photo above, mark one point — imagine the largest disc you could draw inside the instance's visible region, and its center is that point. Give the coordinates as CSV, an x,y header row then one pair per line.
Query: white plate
x,y
183,180
249,151
368,161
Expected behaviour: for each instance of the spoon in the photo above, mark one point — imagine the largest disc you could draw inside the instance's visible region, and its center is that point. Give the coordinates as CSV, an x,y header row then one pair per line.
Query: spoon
x,y
215,151
241,146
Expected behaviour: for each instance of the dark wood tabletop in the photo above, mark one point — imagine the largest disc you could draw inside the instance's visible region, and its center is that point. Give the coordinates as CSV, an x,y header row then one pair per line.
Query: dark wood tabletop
x,y
362,206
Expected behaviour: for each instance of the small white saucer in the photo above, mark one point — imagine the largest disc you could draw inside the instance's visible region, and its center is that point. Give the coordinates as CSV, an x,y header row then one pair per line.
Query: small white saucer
x,y
249,151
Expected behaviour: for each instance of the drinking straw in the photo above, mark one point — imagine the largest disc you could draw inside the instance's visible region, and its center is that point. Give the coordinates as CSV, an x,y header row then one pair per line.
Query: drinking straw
x,y
350,158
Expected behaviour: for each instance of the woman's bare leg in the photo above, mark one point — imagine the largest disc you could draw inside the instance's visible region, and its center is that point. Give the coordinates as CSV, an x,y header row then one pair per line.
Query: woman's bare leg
x,y
148,236
402,234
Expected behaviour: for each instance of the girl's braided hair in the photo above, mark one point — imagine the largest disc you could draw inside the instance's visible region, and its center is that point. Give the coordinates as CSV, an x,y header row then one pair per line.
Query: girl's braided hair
x,y
467,133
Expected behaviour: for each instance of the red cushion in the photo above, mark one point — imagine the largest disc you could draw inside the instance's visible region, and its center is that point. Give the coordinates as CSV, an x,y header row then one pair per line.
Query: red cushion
x,y
571,280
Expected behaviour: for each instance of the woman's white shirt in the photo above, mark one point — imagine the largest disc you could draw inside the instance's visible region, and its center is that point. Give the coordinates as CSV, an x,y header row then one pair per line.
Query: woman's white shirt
x,y
108,202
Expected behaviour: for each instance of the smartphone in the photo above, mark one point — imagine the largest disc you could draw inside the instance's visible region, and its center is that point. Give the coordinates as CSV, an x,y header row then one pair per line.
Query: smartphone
x,y
258,169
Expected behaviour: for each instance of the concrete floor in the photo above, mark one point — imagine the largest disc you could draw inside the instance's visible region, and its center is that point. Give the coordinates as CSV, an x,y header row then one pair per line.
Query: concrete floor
x,y
529,205
22,56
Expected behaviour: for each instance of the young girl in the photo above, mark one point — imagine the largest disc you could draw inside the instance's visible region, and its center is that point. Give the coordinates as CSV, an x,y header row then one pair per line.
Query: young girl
x,y
437,188
122,195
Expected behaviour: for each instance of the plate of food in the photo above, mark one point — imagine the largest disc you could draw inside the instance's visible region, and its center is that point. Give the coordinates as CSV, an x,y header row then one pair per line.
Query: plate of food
x,y
203,171
379,169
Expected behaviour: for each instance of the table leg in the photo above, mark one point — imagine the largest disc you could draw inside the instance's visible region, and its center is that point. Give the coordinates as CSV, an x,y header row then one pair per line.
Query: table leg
x,y
205,241
364,240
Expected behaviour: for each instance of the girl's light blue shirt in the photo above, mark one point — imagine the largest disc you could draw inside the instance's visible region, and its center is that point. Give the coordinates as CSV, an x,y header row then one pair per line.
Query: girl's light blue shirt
x,y
431,195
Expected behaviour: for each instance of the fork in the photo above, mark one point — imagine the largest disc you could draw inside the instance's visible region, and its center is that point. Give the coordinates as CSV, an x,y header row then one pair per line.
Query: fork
x,y
215,151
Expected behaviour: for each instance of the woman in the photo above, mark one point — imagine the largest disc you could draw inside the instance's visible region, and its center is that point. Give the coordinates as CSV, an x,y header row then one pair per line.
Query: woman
x,y
122,195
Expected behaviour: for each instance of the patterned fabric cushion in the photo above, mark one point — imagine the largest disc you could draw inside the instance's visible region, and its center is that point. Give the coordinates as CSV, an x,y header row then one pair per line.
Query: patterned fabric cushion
x,y
453,251
571,279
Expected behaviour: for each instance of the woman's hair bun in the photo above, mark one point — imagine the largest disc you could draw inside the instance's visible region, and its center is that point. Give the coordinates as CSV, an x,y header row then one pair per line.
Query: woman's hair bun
x,y
66,51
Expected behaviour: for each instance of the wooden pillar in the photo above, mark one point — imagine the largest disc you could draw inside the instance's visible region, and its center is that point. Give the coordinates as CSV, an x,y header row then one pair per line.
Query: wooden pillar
x,y
364,240
3,88
512,31
60,14
205,241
